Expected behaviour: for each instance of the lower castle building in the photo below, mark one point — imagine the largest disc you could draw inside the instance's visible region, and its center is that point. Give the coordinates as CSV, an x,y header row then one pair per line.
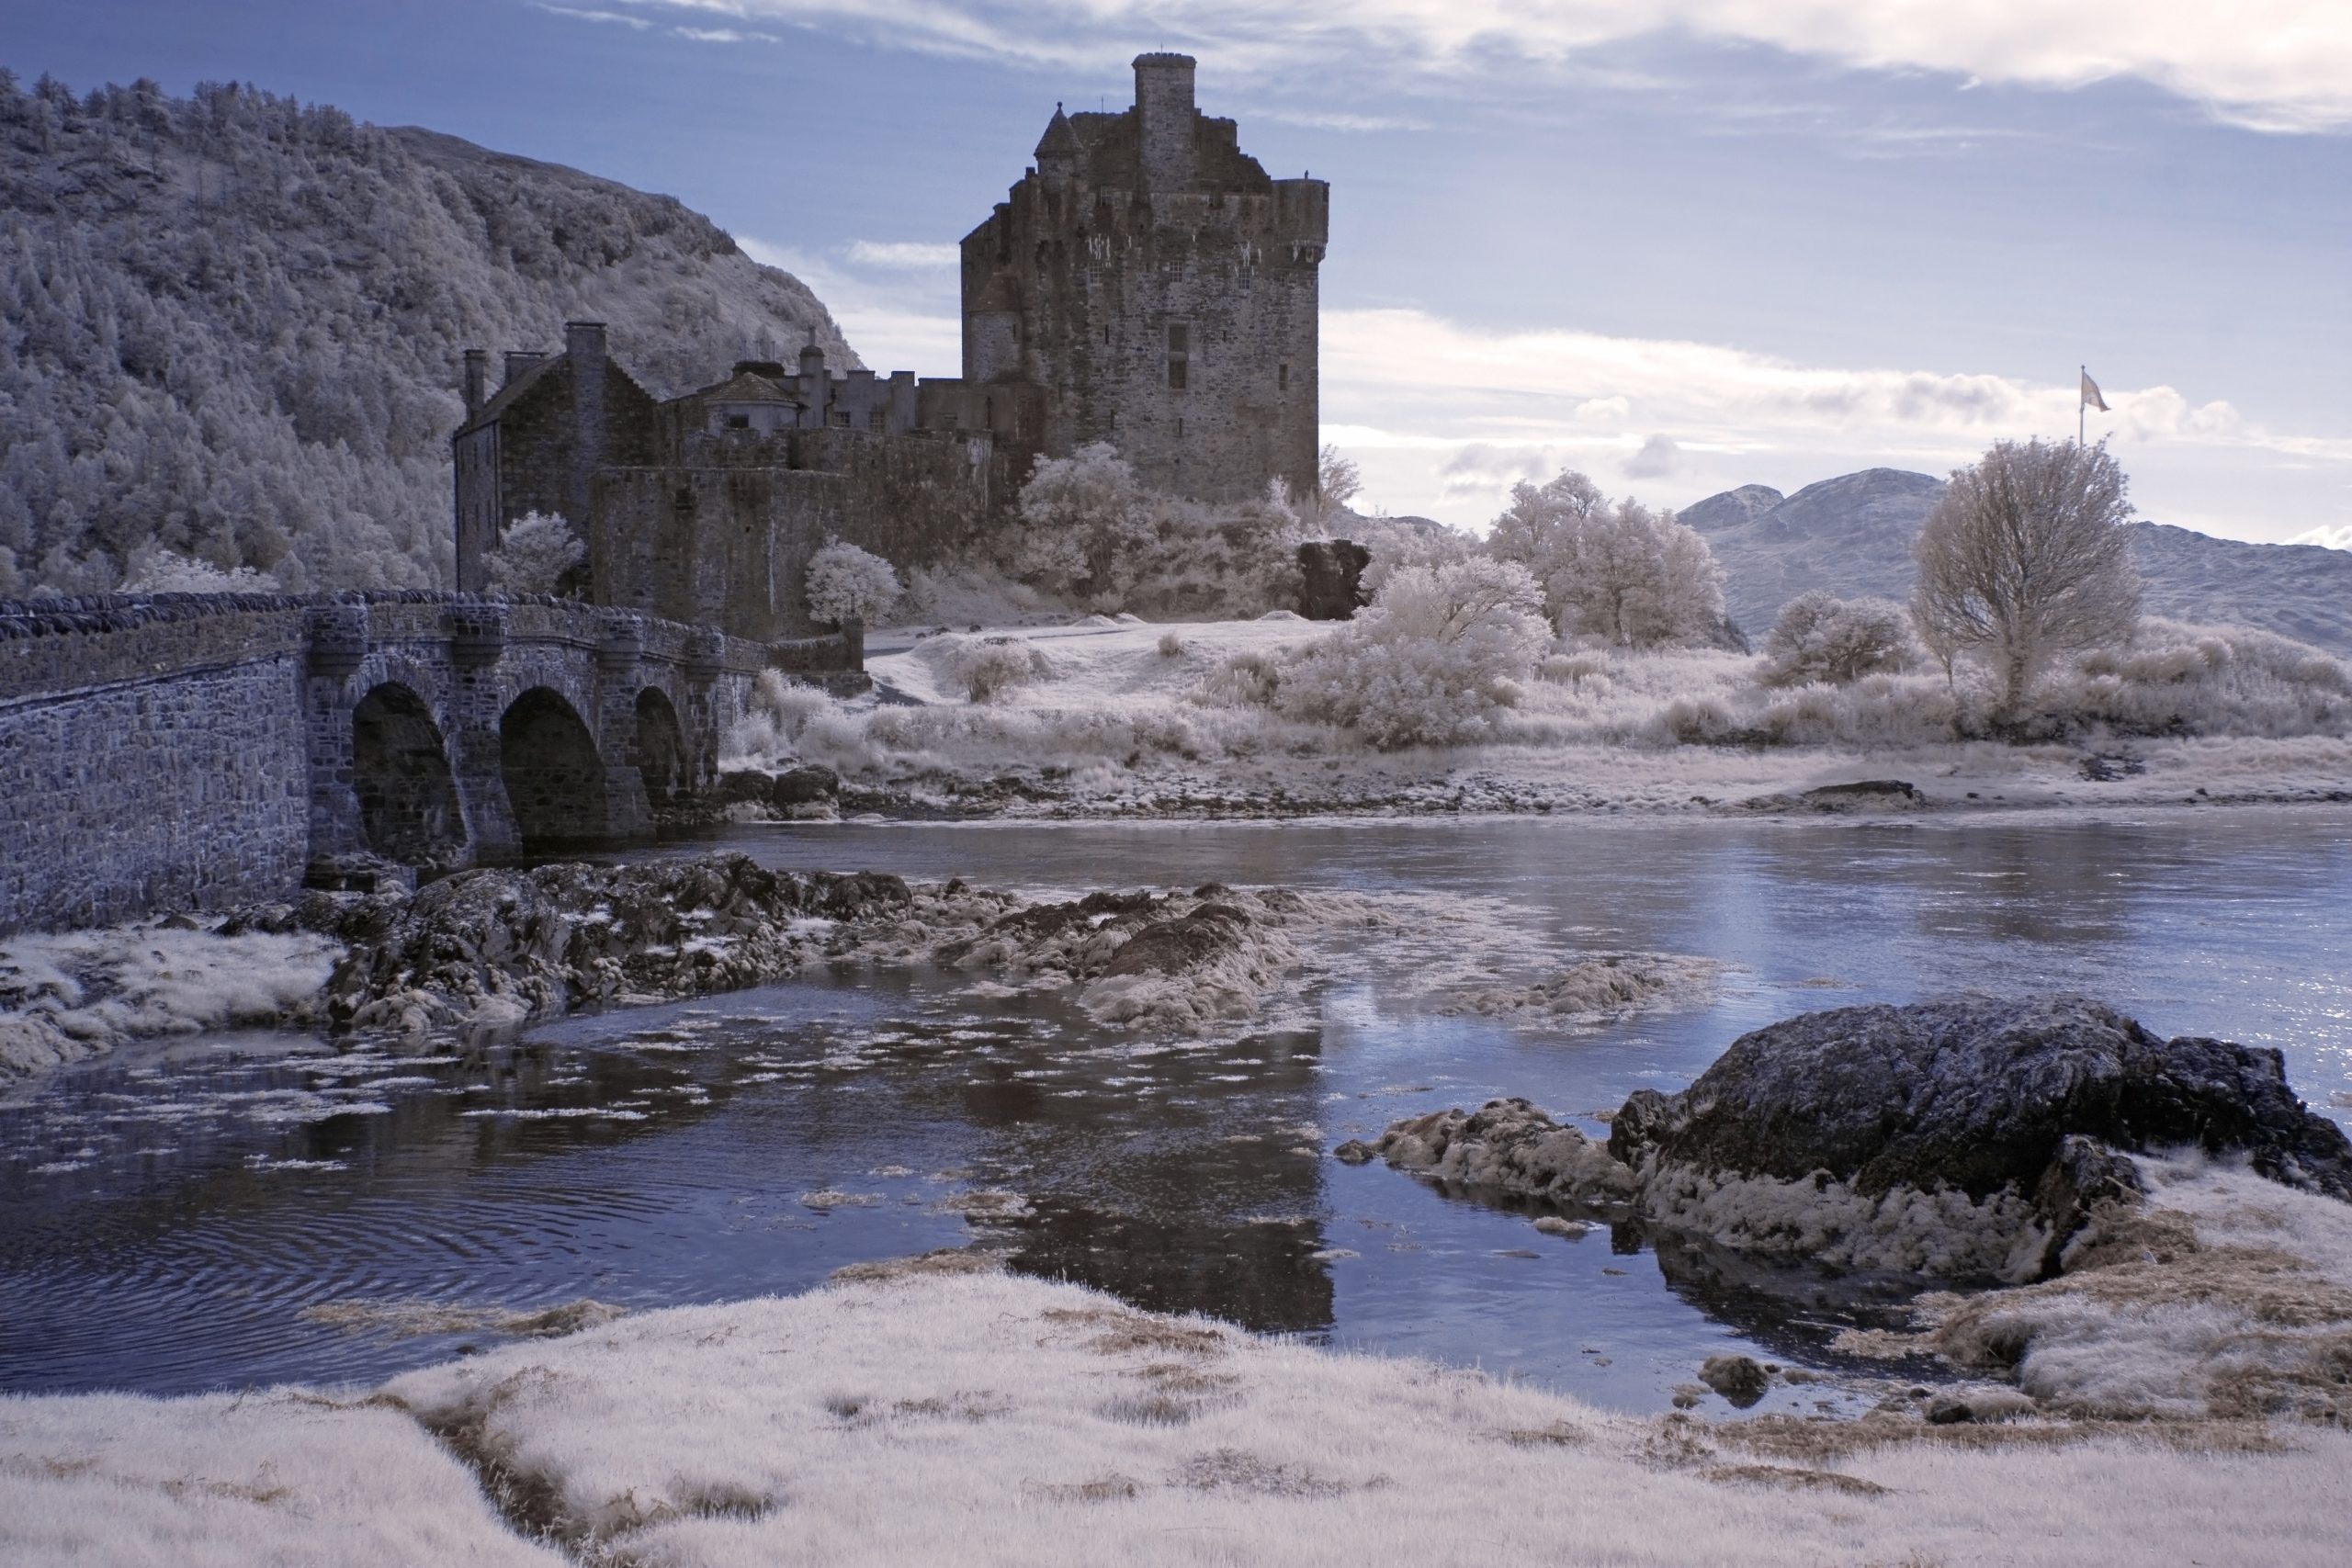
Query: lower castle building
x,y
1145,284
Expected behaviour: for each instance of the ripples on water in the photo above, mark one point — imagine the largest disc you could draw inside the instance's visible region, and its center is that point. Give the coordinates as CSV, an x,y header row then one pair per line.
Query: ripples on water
x,y
172,1212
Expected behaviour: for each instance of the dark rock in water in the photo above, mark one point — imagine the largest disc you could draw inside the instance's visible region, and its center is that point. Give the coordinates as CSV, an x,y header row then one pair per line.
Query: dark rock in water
x,y
1332,572
806,786
741,784
1355,1151
1964,1137
1864,795
2004,1102
1173,947
1740,1378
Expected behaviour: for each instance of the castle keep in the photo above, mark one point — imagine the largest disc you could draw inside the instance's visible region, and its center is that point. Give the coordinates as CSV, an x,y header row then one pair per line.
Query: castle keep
x,y
1145,284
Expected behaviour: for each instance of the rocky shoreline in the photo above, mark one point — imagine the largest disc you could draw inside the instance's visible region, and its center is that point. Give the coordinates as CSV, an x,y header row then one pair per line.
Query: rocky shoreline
x,y
2019,1143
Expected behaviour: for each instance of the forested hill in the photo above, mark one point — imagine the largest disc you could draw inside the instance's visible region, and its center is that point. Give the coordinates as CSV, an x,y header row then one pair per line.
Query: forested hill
x,y
229,325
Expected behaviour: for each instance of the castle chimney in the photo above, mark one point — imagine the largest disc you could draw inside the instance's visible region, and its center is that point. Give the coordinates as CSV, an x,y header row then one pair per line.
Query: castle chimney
x,y
477,373
816,387
518,363
1164,105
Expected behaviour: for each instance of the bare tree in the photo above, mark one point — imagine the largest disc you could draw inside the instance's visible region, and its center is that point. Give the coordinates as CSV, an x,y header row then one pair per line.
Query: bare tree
x,y
1337,482
2025,559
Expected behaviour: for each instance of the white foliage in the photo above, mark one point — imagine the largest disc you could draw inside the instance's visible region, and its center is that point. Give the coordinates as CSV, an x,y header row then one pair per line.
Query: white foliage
x,y
1820,636
1426,663
533,555
154,569
981,667
846,582
1622,573
1091,532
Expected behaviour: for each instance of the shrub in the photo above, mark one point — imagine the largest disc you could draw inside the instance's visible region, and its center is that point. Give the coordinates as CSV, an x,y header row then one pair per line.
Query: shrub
x,y
848,583
983,666
1170,646
537,554
1820,636
1429,661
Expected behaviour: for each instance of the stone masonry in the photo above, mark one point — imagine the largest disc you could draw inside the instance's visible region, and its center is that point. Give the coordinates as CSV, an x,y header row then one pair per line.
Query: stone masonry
x,y
192,751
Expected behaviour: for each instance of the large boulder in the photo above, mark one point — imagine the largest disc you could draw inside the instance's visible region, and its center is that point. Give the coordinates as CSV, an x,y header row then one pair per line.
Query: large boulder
x,y
1959,1136
1330,578
1967,1137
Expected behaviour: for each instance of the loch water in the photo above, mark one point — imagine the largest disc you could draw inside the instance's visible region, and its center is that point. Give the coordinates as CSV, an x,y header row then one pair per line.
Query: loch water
x,y
174,1213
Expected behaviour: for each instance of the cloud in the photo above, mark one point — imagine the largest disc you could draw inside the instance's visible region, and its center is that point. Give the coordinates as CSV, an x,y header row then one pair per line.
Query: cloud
x,y
1315,120
615,17
908,254
722,35
1659,458
2281,65
1445,417
2335,538
892,326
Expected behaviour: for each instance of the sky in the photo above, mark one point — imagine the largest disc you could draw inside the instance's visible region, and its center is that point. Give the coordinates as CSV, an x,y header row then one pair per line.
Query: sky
x,y
1680,244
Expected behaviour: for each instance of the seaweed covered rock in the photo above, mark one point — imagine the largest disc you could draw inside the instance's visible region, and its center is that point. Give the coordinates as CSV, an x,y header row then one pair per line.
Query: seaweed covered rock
x,y
500,946
1505,1146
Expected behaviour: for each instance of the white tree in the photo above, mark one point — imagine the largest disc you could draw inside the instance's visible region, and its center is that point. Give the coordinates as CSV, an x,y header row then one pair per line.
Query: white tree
x,y
1429,661
1820,636
2026,557
1337,481
846,582
157,571
533,555
1633,577
1078,514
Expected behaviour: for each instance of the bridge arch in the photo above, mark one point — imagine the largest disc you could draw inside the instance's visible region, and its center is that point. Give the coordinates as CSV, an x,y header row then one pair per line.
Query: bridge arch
x,y
555,778
662,758
409,810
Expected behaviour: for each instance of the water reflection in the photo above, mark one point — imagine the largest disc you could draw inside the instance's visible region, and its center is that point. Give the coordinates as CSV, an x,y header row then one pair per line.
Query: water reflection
x,y
172,1210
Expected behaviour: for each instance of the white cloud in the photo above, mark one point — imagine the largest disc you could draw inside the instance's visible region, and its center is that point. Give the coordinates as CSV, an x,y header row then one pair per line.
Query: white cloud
x,y
1315,120
2277,64
908,254
2335,538
1444,417
617,18
892,328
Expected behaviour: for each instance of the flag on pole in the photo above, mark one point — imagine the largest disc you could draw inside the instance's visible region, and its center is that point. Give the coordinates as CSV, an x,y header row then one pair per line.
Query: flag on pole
x,y
2091,400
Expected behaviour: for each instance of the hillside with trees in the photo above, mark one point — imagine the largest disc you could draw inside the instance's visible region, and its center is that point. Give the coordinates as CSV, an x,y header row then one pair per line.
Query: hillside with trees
x,y
230,326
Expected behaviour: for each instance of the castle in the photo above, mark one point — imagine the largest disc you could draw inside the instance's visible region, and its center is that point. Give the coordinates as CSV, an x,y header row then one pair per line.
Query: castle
x,y
1143,284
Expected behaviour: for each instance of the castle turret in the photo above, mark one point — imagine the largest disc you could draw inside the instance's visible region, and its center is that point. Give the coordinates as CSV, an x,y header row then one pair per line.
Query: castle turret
x,y
1165,113
1057,149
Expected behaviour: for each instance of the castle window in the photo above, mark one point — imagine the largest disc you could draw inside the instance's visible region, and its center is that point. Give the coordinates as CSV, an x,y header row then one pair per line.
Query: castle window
x,y
1179,354
1180,429
739,422
841,418
874,420
1282,376
1106,335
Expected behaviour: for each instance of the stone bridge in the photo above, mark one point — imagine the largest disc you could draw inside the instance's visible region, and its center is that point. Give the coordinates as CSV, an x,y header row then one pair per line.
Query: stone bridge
x,y
196,750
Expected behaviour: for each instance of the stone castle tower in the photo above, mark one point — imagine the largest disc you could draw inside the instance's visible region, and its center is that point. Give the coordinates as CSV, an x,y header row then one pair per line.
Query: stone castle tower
x,y
1147,284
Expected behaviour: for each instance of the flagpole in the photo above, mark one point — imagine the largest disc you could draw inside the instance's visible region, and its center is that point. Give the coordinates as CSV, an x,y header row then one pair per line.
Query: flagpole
x,y
2081,405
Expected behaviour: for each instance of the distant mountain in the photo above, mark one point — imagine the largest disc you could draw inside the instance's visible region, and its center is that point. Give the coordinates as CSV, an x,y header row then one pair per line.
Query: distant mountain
x,y
1852,535
229,325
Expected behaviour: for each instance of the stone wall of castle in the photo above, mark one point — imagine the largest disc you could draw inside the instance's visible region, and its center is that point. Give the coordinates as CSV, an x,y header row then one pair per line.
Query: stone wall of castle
x,y
1161,292
152,756
726,541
